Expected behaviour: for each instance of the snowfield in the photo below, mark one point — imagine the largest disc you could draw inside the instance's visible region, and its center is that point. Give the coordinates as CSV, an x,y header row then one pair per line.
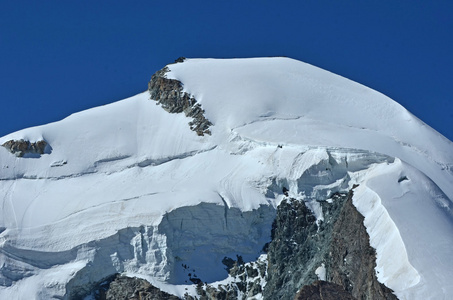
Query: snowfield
x,y
128,187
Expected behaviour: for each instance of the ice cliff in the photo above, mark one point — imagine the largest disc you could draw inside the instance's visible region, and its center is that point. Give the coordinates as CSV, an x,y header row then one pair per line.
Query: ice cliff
x,y
239,178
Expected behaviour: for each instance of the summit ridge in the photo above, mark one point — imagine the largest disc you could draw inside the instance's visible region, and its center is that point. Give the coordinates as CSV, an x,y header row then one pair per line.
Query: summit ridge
x,y
287,160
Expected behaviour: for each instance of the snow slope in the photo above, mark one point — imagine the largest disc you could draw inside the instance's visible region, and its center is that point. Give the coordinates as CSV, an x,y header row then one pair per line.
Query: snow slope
x,y
128,187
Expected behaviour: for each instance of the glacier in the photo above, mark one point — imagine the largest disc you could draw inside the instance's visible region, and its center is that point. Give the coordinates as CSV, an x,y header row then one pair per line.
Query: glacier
x,y
129,188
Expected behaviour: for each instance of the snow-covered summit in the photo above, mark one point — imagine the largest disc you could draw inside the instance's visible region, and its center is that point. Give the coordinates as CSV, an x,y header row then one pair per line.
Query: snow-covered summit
x,y
254,96
107,195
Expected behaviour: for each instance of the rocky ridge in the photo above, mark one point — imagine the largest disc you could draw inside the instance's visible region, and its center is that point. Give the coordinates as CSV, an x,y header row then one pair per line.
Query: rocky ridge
x,y
22,147
130,288
323,290
304,250
170,95
246,282
351,261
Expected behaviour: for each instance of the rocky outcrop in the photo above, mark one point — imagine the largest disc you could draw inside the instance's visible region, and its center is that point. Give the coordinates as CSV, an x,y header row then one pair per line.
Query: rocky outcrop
x,y
22,147
352,261
323,290
303,250
129,288
246,282
296,250
170,95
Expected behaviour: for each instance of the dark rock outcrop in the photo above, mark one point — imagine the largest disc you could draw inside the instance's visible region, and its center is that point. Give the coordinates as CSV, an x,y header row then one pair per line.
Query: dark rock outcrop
x,y
23,147
170,95
246,283
323,290
130,288
352,260
296,250
300,246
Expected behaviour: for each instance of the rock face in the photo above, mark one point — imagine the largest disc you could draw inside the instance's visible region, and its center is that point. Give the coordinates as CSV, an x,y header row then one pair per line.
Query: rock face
x,y
293,252
337,250
352,260
323,290
246,283
22,147
127,288
169,94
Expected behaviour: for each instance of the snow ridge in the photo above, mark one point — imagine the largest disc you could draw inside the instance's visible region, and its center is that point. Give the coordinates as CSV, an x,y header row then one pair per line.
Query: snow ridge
x,y
130,188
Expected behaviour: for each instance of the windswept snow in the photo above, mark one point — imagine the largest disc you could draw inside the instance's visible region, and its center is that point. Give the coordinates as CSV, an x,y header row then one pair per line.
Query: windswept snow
x,y
130,188
399,203
288,101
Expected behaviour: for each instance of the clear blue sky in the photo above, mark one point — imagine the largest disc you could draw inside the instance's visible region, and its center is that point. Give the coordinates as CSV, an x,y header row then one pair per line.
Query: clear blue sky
x,y
61,57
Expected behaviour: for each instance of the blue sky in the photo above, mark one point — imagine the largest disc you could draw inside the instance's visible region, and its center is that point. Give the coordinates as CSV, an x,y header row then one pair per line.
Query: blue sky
x,y
61,57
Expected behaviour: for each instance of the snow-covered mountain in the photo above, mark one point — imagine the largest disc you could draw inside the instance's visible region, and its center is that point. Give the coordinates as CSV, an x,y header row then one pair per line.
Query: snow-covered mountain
x,y
133,188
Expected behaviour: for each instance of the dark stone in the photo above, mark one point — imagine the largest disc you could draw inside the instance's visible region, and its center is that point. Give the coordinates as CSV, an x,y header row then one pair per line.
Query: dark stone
x,y
22,147
195,280
300,245
127,288
352,260
180,59
293,251
246,283
285,191
228,262
169,94
322,290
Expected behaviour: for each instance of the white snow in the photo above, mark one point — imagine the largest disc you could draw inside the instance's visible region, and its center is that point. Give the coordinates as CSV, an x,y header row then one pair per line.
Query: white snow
x,y
95,205
409,222
321,272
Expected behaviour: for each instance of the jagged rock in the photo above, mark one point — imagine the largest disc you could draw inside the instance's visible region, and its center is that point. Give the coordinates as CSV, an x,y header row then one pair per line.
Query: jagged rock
x,y
322,290
352,260
299,246
22,147
246,284
294,252
130,288
169,94
180,59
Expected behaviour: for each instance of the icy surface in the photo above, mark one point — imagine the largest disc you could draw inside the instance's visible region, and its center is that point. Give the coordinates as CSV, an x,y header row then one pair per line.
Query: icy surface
x,y
130,188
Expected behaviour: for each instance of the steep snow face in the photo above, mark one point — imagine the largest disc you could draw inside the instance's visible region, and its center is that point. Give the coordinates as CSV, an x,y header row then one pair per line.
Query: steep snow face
x,y
128,187
399,200
288,101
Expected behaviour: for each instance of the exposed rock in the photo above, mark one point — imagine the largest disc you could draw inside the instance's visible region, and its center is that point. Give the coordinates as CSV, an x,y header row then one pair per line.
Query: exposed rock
x,y
127,288
352,260
323,290
22,147
296,250
299,246
170,95
180,59
246,283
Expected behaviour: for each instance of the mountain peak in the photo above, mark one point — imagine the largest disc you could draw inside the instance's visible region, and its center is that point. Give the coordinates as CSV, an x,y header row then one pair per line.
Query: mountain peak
x,y
129,188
